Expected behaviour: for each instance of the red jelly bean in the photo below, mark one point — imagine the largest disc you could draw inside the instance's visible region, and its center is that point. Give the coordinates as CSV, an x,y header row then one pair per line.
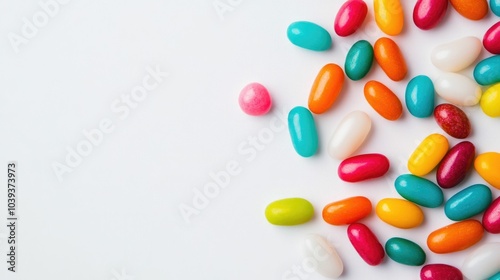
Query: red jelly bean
x,y
365,243
455,164
350,17
491,39
439,272
363,167
452,120
428,13
491,217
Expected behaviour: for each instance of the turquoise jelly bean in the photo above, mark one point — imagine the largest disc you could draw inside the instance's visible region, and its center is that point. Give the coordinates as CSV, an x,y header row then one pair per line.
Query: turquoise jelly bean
x,y
468,202
309,36
303,131
495,277
495,8
405,251
419,96
359,60
487,71
419,190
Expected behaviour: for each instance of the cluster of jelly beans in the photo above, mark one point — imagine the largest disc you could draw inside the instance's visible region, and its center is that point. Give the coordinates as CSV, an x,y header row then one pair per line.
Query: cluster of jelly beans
x,y
433,152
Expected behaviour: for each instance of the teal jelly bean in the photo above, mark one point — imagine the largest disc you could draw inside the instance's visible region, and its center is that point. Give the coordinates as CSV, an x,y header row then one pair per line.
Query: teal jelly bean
x,y
495,8
309,36
468,202
487,71
359,60
405,251
419,96
495,277
303,131
419,190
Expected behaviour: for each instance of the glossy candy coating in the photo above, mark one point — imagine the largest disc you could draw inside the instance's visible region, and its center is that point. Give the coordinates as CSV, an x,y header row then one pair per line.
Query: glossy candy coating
x,y
455,237
491,217
456,55
487,71
383,100
404,251
399,213
365,243
349,135
327,261
326,88
440,271
350,17
389,57
254,99
347,211
487,166
482,262
363,167
468,202
458,89
495,277
420,97
455,165
389,16
495,7
289,212
491,39
428,13
428,154
359,60
471,9
452,120
303,132
309,35
419,190
490,101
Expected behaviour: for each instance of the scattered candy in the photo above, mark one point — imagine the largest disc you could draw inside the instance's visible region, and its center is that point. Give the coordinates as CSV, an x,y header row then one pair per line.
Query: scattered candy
x,y
390,58
482,263
458,89
365,243
428,154
487,71
389,16
255,100
405,251
428,13
328,262
399,213
350,17
383,100
419,190
468,202
491,39
347,211
490,101
359,60
289,212
455,165
491,217
452,120
326,88
456,55
471,9
303,131
309,35
440,272
363,167
419,96
349,135
487,166
455,237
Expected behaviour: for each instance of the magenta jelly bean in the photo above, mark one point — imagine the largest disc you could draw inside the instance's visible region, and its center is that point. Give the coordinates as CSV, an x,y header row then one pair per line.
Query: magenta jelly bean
x,y
428,13
365,243
440,271
255,100
455,165
491,217
491,39
452,120
363,167
350,17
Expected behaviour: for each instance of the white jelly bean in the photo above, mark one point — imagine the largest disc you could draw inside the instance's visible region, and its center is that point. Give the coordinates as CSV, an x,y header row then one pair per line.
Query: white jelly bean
x,y
319,256
483,262
349,135
456,55
458,89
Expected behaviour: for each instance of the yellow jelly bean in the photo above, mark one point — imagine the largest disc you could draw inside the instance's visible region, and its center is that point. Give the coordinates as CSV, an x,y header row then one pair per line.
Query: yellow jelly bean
x,y
389,16
488,165
428,154
490,101
399,212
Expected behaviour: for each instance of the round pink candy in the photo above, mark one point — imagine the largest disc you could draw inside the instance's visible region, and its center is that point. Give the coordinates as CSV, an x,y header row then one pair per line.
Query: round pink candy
x,y
255,99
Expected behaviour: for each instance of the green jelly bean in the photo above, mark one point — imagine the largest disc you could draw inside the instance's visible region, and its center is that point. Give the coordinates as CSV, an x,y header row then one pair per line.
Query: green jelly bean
x,y
419,96
309,36
289,212
487,71
359,60
468,202
303,131
419,190
405,251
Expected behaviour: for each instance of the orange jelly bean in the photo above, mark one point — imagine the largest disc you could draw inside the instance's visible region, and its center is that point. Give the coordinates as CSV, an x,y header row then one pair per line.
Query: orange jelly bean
x,y
383,100
390,58
455,237
347,211
471,9
326,88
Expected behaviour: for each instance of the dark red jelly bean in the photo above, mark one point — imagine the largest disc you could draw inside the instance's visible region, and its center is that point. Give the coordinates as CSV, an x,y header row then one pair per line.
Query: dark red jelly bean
x,y
455,164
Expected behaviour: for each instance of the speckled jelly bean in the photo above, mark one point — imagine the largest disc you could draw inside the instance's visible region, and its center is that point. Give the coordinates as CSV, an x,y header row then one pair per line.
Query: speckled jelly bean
x,y
383,100
350,17
327,261
455,237
491,217
389,16
419,190
399,213
289,212
471,9
428,13
389,57
482,262
495,7
303,132
491,39
349,135
458,89
309,35
468,202
404,251
419,96
440,271
490,101
255,100
365,243
363,167
487,166
455,165
428,154
452,120
456,55
326,88
487,71
347,211
359,60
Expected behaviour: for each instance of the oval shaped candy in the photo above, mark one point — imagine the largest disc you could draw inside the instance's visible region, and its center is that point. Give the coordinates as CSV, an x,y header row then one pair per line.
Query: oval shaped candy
x,y
255,100
303,132
456,55
365,243
404,251
349,135
487,71
350,17
389,16
347,211
363,167
326,88
328,262
428,13
390,58
383,100
491,217
309,35
289,212
471,9
399,213
455,165
428,154
482,263
440,271
490,101
487,166
495,7
359,60
468,202
455,237
452,120
458,89
491,39
419,190
419,96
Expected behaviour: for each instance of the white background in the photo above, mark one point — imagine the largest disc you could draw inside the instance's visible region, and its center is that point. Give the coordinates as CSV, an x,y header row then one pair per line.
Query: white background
x,y
116,215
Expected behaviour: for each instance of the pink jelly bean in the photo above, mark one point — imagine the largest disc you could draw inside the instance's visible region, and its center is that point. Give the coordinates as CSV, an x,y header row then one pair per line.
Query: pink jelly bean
x,y
363,167
255,99
440,271
428,13
491,217
491,39
365,243
350,17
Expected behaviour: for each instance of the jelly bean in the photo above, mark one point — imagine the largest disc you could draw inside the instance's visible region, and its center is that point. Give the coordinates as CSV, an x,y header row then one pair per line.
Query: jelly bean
x,y
303,131
347,211
487,166
452,120
389,16
491,217
456,55
363,167
471,9
419,96
482,263
491,39
326,259
349,134
383,100
405,251
255,100
440,272
359,60
487,71
350,17
419,190
468,202
455,237
495,277
399,213
390,58
428,154
289,212
309,35
428,13
495,7
365,243
326,88
490,101
458,89
455,165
